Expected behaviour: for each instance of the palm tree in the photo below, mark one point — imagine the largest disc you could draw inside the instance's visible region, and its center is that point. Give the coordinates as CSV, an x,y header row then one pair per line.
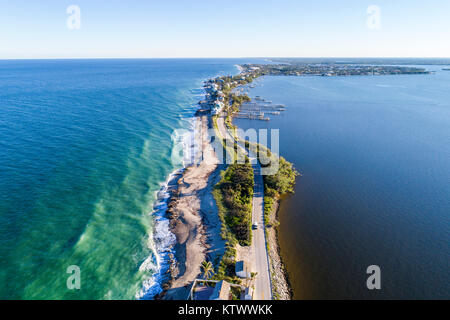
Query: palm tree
x,y
208,270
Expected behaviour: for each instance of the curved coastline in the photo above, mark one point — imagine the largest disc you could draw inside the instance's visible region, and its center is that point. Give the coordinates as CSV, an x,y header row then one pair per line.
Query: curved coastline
x,y
197,234
193,216
162,241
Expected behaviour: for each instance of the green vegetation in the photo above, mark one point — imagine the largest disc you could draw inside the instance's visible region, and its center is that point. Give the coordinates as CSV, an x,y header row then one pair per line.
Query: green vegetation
x,y
276,185
231,100
237,192
233,195
226,269
283,181
231,151
291,67
265,156
235,293
234,104
208,270
228,83
237,101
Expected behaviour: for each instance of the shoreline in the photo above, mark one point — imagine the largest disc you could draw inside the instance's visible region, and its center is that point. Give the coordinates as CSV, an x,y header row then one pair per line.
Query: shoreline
x,y
163,240
282,289
194,220
193,216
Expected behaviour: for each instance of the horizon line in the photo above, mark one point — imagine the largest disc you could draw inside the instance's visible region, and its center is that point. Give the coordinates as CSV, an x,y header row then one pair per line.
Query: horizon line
x,y
173,58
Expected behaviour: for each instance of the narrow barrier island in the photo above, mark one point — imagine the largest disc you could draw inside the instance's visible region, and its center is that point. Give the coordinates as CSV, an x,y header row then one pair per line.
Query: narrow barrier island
x,y
231,251
233,194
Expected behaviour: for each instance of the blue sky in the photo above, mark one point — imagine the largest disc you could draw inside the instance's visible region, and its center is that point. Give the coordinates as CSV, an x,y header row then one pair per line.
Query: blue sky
x,y
227,28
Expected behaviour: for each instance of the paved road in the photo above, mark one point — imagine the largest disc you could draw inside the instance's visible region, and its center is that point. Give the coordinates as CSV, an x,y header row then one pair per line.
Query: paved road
x,y
260,260
261,263
222,129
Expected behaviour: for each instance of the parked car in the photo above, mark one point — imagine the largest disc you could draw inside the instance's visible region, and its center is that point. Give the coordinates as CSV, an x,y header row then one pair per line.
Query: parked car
x,y
255,226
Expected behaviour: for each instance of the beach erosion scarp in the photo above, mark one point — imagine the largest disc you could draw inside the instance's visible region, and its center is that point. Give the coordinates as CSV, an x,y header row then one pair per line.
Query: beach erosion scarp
x,y
193,216
162,241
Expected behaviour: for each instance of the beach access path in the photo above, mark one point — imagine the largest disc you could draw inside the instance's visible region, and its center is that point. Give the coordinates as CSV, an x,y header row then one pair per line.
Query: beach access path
x,y
259,254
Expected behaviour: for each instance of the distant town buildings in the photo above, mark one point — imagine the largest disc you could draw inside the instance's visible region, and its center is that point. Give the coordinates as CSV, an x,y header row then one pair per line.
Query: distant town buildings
x,y
328,70
219,91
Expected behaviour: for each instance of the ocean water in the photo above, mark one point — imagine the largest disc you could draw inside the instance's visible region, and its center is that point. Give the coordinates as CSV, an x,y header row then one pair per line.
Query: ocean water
x,y
375,157
85,145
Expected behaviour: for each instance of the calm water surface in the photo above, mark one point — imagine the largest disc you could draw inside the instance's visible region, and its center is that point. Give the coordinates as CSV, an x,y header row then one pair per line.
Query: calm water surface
x,y
375,157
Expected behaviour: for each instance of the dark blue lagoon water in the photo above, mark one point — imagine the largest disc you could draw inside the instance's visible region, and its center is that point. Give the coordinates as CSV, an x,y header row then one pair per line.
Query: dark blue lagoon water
x,y
84,147
375,157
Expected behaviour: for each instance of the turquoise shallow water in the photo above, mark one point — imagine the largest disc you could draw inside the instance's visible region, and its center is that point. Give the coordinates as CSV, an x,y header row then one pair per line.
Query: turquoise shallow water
x,y
375,157
84,146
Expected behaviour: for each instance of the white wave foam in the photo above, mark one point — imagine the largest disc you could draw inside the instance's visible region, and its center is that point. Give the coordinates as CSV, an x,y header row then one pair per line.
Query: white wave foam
x,y
162,241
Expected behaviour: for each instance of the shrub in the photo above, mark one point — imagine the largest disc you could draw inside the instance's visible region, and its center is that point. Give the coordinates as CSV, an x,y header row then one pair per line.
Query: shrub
x,y
236,188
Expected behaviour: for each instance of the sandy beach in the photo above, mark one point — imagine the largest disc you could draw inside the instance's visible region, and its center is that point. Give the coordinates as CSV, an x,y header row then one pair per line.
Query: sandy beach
x,y
195,222
194,217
